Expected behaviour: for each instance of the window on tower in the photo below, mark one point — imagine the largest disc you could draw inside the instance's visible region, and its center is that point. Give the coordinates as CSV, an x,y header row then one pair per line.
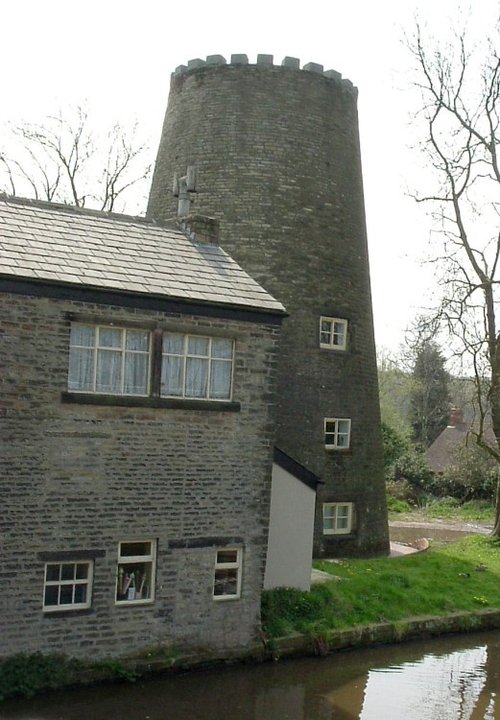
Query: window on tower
x,y
332,333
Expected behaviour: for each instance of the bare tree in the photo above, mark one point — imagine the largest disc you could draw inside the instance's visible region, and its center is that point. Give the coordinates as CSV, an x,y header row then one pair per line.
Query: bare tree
x,y
460,114
63,159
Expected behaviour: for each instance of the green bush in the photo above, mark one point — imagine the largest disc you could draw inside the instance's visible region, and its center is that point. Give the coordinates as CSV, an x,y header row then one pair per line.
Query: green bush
x,y
27,674
471,475
287,609
398,506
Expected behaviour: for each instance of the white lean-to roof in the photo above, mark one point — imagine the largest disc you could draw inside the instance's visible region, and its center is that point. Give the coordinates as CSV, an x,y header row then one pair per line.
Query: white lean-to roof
x,y
60,244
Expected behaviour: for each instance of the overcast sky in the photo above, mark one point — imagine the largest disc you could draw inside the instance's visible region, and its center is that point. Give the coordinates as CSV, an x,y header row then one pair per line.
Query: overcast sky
x,y
118,56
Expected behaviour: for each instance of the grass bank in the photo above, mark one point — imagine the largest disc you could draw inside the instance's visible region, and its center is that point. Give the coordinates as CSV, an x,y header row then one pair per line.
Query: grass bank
x,y
478,512
462,577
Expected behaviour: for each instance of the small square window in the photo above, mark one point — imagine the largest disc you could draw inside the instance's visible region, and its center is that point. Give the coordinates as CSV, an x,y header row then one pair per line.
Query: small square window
x,y
332,333
337,433
337,518
67,586
136,572
227,575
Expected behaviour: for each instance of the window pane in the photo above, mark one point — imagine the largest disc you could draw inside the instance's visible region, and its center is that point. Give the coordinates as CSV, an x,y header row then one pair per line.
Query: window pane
x,y
222,349
196,377
326,326
80,593
108,377
328,523
136,374
343,426
82,571
197,346
324,338
81,369
66,595
173,343
226,582
341,523
227,556
68,571
51,596
172,379
52,573
137,340
82,335
339,333
111,338
129,549
220,379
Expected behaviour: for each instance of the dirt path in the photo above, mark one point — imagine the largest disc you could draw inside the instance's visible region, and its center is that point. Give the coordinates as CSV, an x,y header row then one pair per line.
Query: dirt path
x,y
442,525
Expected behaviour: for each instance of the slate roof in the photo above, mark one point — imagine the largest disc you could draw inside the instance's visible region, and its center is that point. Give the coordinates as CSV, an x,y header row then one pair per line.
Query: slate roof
x,y
59,244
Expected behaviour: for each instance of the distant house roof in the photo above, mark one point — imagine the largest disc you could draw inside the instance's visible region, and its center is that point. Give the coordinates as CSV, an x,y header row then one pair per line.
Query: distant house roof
x,y
58,244
440,453
296,469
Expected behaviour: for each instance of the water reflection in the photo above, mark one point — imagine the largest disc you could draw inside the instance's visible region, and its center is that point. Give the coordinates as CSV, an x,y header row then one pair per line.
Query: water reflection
x,y
453,678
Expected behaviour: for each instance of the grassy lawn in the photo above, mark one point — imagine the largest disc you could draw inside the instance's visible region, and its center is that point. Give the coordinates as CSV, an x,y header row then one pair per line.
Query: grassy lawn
x,y
458,577
474,511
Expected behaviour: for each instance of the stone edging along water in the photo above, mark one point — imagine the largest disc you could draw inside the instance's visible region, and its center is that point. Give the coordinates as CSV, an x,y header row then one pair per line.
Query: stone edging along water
x,y
162,659
299,645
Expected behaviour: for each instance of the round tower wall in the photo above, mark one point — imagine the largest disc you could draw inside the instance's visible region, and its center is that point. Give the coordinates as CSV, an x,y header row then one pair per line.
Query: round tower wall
x,y
277,161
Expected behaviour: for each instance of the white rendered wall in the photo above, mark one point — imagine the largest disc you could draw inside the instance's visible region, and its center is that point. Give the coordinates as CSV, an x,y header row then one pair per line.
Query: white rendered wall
x,y
289,555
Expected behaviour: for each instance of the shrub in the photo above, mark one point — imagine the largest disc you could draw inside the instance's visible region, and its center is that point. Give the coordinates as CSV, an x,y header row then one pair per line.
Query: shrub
x,y
27,674
471,475
398,506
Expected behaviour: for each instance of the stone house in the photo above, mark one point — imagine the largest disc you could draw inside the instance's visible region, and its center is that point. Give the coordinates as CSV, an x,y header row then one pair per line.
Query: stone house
x,y
136,370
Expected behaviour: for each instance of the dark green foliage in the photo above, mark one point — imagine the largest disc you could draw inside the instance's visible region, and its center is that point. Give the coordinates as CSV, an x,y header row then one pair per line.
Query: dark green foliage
x,y
404,464
27,674
412,467
396,505
430,401
395,445
472,475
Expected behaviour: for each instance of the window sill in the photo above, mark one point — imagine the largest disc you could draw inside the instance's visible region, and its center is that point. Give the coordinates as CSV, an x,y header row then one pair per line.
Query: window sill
x,y
150,402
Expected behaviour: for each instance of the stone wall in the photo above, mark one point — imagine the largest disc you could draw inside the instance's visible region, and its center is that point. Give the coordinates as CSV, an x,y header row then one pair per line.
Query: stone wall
x,y
81,478
276,159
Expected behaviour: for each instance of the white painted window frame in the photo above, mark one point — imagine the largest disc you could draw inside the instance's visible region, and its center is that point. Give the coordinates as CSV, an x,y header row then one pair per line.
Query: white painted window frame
x,y
74,582
333,333
208,358
236,565
335,515
332,437
96,348
147,558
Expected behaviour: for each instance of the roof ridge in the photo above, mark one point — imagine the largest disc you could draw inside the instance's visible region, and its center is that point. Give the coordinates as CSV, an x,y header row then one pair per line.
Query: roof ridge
x,y
170,223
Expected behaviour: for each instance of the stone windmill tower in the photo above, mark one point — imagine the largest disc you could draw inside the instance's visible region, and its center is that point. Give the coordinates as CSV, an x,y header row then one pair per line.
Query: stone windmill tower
x,y
272,152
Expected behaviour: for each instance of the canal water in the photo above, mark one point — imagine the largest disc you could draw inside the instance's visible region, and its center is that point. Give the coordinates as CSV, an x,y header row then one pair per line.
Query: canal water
x,y
449,678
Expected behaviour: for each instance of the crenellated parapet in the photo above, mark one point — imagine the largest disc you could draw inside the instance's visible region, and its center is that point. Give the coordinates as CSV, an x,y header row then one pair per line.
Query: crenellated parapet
x,y
288,63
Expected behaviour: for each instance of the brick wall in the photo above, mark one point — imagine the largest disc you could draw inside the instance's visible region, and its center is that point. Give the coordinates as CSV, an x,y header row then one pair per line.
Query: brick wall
x,y
85,477
277,161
